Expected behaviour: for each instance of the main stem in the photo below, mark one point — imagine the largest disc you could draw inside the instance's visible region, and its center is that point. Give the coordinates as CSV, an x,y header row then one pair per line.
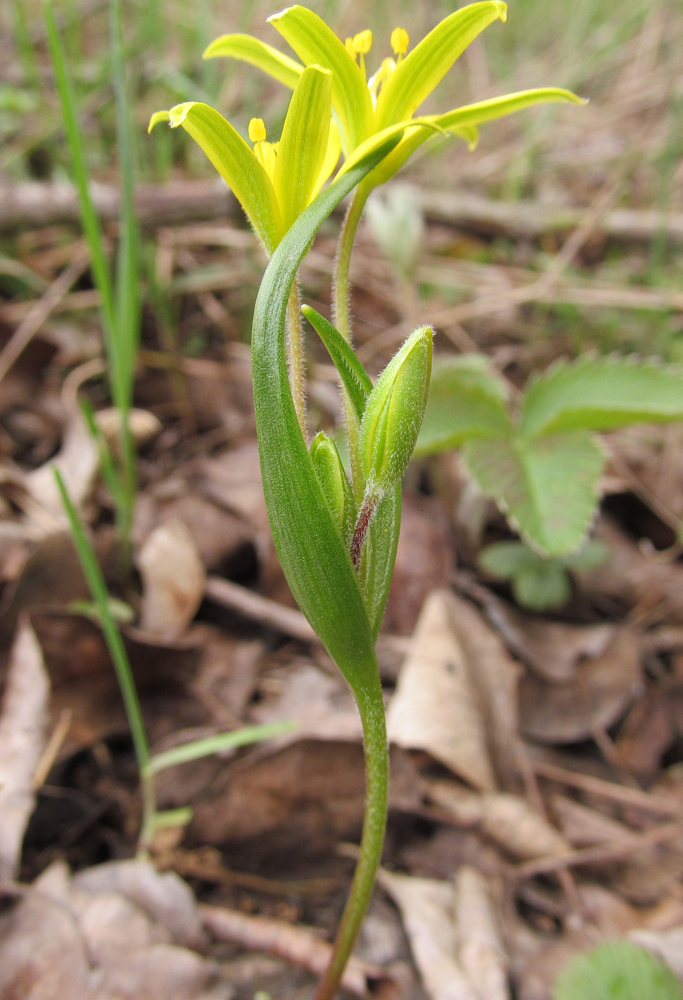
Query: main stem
x,y
341,300
371,708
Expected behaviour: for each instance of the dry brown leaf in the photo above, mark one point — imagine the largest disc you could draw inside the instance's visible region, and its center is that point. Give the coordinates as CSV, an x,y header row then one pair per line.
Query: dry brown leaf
x,y
585,827
67,940
495,676
427,909
321,705
436,707
298,945
173,580
601,690
480,947
507,819
142,424
78,462
23,734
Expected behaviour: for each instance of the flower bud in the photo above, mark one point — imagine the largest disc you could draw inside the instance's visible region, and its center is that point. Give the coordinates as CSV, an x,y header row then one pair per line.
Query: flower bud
x,y
393,413
335,485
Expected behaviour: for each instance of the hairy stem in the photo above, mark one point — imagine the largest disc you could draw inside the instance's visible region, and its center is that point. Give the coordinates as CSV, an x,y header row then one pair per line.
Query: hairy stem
x,y
295,356
371,708
342,320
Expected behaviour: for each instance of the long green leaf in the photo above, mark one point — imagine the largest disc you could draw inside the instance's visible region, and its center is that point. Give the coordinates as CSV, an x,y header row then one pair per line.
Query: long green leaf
x,y
315,561
422,70
547,486
257,53
600,393
303,143
413,137
217,744
316,44
235,162
465,401
354,377
91,223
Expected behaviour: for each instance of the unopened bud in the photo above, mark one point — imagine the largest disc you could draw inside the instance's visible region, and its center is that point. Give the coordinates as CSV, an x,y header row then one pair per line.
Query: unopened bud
x,y
393,413
335,485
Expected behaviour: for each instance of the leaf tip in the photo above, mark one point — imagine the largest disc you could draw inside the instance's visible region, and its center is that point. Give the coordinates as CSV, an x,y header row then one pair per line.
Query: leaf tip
x,y
178,114
158,116
274,18
502,9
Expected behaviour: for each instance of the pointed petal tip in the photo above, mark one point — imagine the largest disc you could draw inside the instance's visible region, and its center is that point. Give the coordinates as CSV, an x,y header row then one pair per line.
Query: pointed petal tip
x,y
178,114
274,18
502,11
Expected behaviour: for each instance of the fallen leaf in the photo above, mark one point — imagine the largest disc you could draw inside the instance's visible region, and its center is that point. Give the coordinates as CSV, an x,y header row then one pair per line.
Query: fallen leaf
x,y
142,424
507,819
23,735
436,707
586,827
600,692
173,580
427,909
480,947
78,462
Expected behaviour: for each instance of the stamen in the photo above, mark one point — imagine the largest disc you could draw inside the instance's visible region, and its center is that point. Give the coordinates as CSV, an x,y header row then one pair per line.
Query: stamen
x,y
400,40
362,42
257,130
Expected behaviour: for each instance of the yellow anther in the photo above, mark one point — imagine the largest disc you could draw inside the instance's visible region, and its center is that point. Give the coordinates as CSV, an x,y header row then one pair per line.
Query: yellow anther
x,y
257,130
400,39
362,42
349,48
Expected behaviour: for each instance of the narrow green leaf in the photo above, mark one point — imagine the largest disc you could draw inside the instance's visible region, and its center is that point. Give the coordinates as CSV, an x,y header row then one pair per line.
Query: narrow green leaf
x,y
316,44
600,393
313,556
497,107
379,138
91,222
617,970
235,162
547,486
217,744
422,70
413,137
259,54
354,377
303,143
466,400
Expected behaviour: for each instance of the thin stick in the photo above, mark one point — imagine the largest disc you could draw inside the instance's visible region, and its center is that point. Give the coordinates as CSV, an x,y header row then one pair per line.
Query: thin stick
x,y
609,790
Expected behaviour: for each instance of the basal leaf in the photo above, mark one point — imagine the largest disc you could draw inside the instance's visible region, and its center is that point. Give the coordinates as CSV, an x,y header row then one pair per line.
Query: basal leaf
x,y
235,162
504,559
600,393
617,970
316,44
418,74
465,400
497,107
543,586
354,377
313,556
257,53
547,486
303,143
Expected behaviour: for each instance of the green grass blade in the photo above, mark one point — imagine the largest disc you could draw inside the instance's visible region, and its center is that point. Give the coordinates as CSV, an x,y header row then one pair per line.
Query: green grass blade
x,y
91,223
216,744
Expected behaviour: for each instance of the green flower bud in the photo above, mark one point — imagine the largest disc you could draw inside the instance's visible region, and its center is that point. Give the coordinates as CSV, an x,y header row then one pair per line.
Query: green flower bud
x,y
393,413
335,485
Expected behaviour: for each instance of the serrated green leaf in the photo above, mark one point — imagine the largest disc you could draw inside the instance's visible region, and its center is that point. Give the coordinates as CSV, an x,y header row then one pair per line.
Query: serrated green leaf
x,y
235,162
303,143
547,486
617,970
259,54
354,377
465,400
316,44
601,393
418,74
542,586
314,558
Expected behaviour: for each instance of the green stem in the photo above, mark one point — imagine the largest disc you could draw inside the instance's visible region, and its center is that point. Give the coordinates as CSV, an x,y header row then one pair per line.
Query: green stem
x,y
341,302
371,708
295,356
